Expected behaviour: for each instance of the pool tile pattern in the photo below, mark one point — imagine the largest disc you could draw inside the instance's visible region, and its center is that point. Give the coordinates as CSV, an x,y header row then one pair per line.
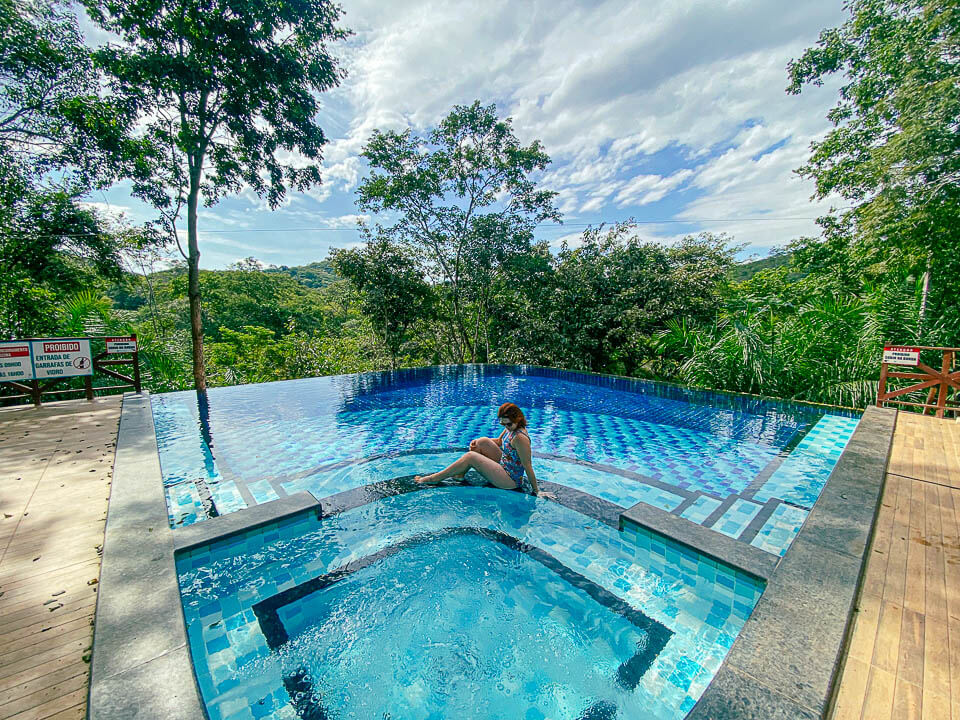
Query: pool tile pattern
x,y
620,440
737,517
779,531
704,603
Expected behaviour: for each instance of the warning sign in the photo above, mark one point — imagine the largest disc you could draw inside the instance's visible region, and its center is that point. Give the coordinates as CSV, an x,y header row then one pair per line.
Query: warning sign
x,y
118,345
901,355
15,361
61,357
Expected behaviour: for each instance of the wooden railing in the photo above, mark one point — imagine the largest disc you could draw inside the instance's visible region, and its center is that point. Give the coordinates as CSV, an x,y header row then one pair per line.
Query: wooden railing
x,y
942,386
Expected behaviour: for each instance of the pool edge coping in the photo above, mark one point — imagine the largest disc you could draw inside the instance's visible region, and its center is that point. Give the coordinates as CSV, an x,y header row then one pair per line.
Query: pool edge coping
x,y
806,612
155,680
707,542
140,664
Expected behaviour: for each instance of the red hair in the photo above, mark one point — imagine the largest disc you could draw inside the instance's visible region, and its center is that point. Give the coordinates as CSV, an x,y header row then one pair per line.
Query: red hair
x,y
512,413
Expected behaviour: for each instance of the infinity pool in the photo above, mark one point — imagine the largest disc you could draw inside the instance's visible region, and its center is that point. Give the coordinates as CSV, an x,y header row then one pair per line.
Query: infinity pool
x,y
462,600
748,468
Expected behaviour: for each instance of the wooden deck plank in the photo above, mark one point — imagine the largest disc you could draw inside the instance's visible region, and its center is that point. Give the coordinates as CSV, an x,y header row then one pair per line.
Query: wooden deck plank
x,y
31,679
53,706
878,703
912,632
914,596
934,571
853,690
907,701
896,577
914,566
864,636
55,469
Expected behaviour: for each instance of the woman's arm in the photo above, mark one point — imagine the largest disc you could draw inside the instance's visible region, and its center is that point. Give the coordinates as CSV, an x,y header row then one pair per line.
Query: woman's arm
x,y
499,440
522,445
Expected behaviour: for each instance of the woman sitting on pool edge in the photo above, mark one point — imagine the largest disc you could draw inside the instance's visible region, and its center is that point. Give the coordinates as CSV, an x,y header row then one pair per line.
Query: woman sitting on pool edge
x,y
504,462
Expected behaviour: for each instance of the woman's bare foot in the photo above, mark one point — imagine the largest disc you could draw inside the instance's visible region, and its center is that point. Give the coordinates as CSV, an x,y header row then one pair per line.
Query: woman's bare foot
x,y
424,479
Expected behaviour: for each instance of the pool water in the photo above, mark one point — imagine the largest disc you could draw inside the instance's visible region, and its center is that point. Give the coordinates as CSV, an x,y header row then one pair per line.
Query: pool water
x,y
748,468
486,631
456,602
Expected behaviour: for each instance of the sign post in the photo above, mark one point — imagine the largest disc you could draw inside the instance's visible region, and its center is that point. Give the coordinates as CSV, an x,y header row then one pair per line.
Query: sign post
x,y
938,383
34,365
16,362
121,345
898,355
56,358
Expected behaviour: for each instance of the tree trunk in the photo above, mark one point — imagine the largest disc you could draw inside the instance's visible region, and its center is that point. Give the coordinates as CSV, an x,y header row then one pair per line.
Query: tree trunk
x,y
476,335
926,293
193,286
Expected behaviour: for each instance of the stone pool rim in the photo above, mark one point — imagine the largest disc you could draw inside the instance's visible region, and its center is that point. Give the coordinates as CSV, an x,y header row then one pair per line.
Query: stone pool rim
x,y
141,664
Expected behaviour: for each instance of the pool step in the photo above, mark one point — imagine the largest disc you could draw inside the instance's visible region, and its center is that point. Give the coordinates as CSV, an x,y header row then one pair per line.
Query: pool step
x,y
642,519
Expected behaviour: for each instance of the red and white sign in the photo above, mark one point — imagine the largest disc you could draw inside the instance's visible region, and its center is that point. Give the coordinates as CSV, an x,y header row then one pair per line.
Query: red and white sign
x,y
118,345
896,355
61,357
15,361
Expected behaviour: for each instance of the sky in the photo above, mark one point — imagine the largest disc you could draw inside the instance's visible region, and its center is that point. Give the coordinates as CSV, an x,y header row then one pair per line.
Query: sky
x,y
670,112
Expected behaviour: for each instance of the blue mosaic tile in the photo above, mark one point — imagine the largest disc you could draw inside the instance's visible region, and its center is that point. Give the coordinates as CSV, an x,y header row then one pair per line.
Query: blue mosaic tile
x,y
735,520
805,471
700,509
328,435
704,602
780,530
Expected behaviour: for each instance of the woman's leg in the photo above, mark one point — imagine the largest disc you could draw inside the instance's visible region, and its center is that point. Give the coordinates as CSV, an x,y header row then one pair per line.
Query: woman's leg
x,y
484,446
492,471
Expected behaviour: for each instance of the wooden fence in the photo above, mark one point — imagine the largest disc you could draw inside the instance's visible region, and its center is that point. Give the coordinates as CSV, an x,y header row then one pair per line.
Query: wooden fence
x,y
942,386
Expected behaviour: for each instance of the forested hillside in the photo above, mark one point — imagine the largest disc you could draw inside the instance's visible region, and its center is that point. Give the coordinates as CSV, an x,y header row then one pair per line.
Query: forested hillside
x,y
451,269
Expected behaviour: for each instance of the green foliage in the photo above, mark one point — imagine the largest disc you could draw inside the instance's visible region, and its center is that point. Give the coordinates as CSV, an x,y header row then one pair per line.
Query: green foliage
x,y
186,67
317,275
746,270
227,93
895,151
59,136
50,247
52,114
393,293
465,199
254,355
85,313
614,290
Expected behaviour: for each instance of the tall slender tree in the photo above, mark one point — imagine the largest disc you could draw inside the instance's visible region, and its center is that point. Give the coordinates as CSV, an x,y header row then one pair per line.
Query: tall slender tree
x,y
227,91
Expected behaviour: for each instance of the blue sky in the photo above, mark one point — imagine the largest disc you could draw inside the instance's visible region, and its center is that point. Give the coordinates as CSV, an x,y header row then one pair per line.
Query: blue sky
x,y
672,112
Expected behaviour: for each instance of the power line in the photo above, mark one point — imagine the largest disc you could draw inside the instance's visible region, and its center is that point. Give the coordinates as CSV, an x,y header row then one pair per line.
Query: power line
x,y
557,226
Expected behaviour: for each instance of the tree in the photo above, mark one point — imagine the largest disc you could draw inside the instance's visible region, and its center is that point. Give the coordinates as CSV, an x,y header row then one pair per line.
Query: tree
x,y
393,293
52,114
49,246
894,152
227,93
614,290
466,185
59,137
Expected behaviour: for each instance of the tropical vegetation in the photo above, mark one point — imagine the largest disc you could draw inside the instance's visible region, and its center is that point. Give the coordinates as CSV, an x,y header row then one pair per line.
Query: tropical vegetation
x,y
450,269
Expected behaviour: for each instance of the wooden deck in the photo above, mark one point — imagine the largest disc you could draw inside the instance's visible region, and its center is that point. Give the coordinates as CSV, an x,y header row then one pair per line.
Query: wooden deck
x,y
903,659
55,467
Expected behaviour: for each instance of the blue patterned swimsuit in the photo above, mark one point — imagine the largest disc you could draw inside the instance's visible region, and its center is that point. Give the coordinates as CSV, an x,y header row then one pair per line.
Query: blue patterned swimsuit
x,y
510,461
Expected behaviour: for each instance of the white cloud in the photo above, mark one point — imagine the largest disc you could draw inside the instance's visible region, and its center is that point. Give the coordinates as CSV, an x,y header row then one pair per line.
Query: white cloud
x,y
110,211
663,109
646,189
